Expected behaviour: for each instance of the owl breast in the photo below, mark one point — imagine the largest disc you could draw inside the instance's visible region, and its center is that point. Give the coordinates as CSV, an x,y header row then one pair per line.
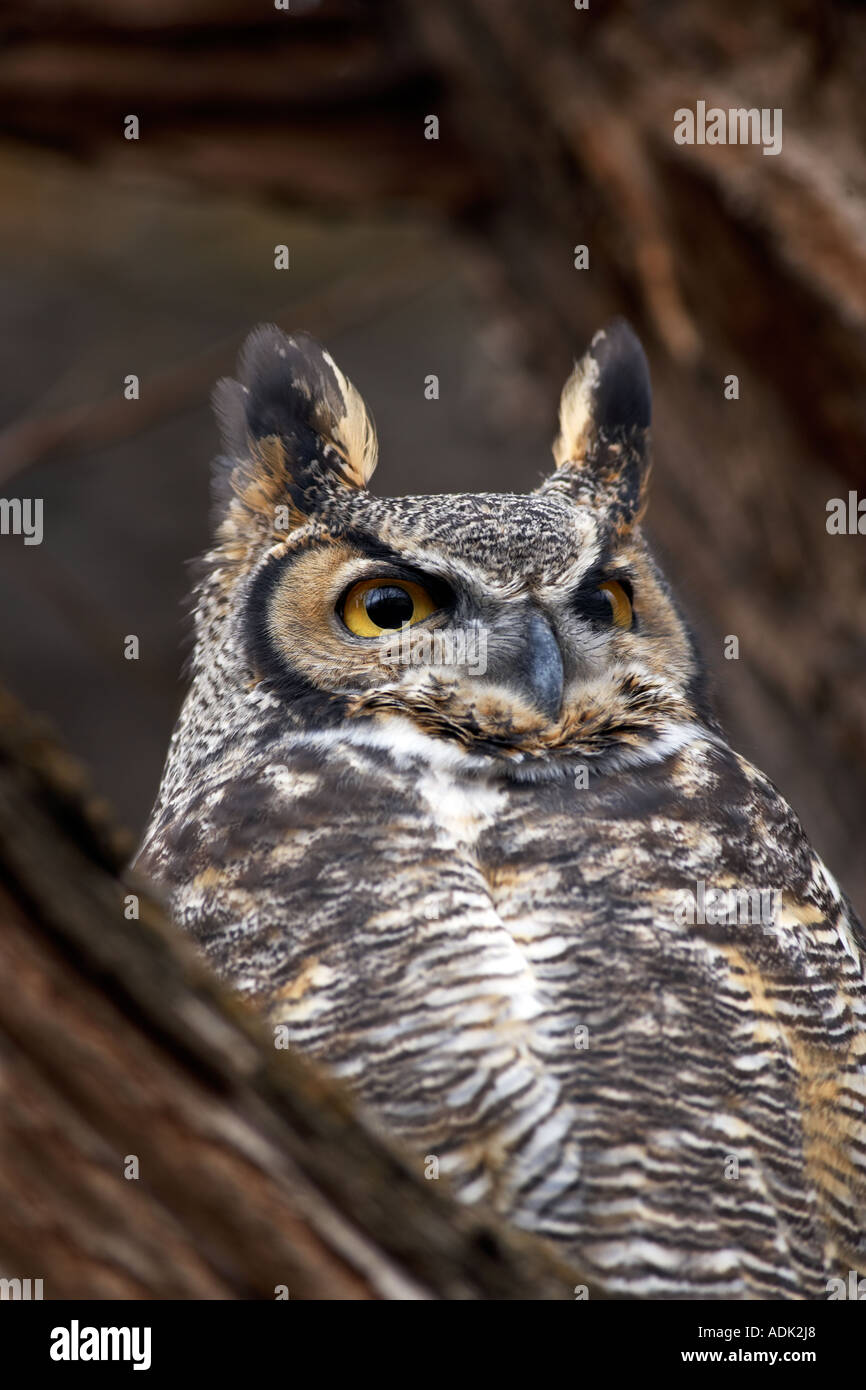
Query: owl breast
x,y
497,967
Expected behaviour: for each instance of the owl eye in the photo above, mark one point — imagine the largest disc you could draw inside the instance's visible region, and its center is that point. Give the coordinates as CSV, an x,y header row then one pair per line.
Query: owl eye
x,y
373,606
620,604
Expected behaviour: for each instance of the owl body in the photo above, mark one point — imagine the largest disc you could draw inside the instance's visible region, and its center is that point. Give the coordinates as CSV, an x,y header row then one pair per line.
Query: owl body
x,y
533,909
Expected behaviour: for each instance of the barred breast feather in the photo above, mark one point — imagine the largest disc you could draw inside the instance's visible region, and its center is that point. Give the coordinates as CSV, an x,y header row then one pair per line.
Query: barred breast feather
x,y
497,969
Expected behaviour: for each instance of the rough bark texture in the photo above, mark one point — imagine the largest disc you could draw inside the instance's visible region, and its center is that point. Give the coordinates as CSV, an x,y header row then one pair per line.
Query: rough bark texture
x,y
254,1171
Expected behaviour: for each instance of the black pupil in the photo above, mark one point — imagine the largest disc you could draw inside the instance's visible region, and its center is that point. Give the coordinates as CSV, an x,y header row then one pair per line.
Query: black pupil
x,y
389,606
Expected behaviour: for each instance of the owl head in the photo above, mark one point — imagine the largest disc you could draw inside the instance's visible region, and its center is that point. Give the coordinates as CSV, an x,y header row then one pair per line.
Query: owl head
x,y
511,626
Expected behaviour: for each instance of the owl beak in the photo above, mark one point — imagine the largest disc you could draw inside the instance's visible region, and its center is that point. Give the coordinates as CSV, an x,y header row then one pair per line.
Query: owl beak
x,y
538,674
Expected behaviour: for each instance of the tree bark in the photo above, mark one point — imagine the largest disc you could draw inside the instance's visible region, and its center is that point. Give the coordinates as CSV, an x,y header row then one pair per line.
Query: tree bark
x,y
253,1169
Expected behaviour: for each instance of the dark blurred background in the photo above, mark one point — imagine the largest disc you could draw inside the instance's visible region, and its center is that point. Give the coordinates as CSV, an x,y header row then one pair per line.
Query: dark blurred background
x,y
412,256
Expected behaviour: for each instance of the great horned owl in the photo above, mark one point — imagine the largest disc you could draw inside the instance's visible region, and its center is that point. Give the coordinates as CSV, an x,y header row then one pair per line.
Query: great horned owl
x,y
446,797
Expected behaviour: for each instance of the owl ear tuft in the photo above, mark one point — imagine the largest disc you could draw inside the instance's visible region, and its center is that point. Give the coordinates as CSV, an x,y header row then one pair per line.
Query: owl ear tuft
x,y
602,449
292,422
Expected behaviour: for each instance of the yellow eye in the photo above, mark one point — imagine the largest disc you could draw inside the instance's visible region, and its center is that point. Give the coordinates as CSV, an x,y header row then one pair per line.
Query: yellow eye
x,y
620,603
373,606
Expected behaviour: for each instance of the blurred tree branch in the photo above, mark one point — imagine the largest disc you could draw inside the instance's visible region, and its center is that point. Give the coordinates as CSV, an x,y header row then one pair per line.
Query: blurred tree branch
x,y
345,303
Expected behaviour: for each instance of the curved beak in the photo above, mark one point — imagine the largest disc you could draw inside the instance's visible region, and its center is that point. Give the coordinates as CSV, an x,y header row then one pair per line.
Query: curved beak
x,y
538,673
